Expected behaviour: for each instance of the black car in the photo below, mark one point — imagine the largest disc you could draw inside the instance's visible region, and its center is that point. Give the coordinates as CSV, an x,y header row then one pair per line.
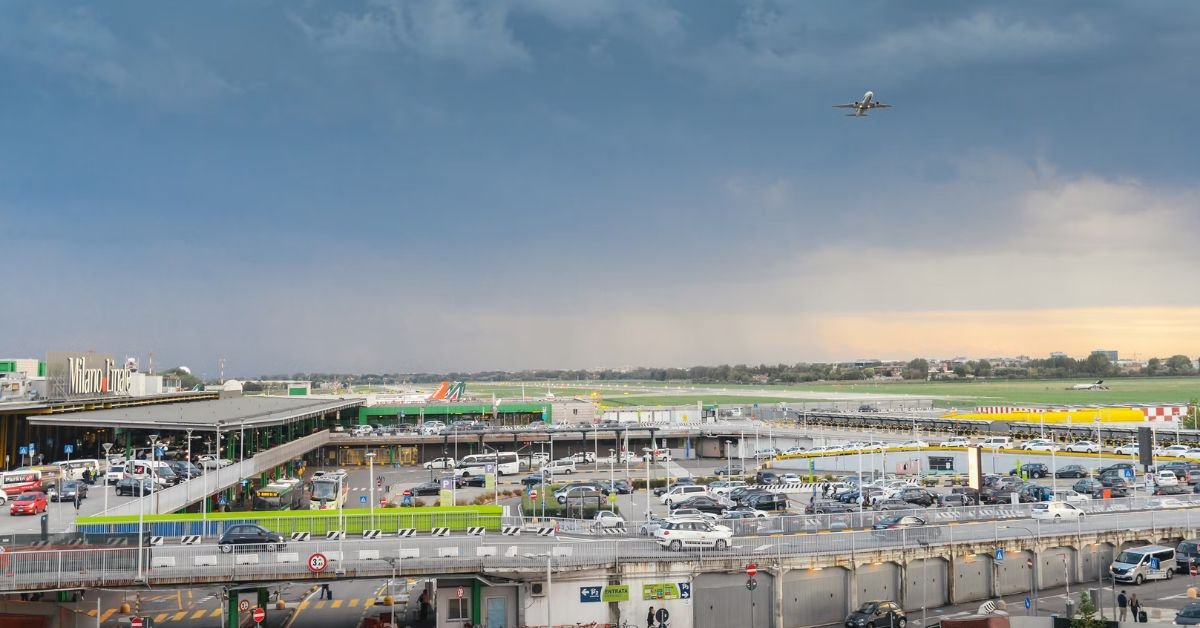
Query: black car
x,y
1179,468
1187,554
129,486
475,480
1172,490
428,488
877,615
250,536
820,508
766,477
1071,471
918,496
620,487
184,469
1087,486
1033,493
753,494
1188,615
1032,470
68,491
1118,467
703,503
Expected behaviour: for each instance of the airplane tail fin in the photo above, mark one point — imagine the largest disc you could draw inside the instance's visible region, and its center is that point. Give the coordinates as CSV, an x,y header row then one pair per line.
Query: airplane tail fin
x,y
440,393
455,391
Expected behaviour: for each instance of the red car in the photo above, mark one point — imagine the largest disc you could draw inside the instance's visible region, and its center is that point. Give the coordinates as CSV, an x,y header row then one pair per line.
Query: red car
x,y
29,504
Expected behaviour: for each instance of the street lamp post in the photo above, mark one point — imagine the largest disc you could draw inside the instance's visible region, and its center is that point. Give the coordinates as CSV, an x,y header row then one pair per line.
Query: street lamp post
x,y
729,456
189,467
107,447
371,483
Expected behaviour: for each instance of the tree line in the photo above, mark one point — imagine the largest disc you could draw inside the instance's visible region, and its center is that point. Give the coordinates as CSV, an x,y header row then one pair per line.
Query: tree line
x,y
1057,367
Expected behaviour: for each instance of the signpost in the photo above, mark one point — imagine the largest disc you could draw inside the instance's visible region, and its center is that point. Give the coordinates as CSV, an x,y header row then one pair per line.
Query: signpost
x,y
317,562
362,499
751,585
461,592
999,554
136,622
259,615
243,605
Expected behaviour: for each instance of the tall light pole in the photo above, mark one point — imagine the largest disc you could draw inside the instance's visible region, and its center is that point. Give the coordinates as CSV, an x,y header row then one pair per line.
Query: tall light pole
x,y
242,443
189,467
371,483
107,447
729,457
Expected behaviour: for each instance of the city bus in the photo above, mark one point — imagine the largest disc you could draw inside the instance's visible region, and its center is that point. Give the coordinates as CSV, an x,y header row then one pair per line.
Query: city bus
x,y
17,482
283,494
73,469
329,491
506,463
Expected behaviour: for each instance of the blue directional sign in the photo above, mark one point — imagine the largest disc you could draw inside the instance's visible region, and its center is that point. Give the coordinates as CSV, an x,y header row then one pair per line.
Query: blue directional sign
x,y
685,590
1154,564
68,449
999,554
1128,473
590,594
31,447
407,501
1027,603
22,450
362,499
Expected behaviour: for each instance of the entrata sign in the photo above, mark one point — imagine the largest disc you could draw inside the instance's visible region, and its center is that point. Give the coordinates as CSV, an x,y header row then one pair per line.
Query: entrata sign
x,y
73,375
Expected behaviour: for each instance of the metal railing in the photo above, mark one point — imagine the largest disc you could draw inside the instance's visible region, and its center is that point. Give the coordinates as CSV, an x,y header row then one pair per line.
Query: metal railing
x,y
190,491
59,568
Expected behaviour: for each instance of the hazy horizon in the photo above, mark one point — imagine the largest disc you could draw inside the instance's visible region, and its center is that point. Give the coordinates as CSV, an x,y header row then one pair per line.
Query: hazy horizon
x,y
396,186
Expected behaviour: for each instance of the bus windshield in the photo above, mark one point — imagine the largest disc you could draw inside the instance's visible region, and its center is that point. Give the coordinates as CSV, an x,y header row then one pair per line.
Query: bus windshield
x,y
325,489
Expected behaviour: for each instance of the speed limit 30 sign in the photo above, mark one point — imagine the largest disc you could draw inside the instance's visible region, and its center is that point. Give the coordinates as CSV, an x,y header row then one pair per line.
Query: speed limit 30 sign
x,y
317,562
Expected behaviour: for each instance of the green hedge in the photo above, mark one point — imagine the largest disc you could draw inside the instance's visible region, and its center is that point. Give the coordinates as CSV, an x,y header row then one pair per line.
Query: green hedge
x,y
320,521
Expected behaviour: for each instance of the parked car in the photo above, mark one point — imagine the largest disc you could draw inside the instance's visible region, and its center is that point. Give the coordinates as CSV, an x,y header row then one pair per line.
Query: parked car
x,y
1040,444
891,504
825,507
620,487
250,536
1032,470
766,477
659,491
703,503
1172,490
680,493
918,496
1127,449
608,519
1166,477
877,614
949,500
427,488
1071,471
733,469
956,441
1084,446
1187,553
678,535
29,503
722,487
441,463
680,514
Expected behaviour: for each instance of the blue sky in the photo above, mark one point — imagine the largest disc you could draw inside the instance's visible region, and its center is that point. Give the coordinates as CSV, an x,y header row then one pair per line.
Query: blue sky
x,y
392,185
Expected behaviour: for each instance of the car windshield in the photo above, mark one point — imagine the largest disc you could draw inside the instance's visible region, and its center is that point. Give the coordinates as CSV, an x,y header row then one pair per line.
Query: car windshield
x,y
1186,547
869,607
27,497
1129,558
1191,610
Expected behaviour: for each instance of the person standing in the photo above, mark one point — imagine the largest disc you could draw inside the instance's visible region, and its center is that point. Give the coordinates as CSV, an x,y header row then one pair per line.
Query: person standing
x,y
1122,605
424,601
650,618
77,499
1135,607
326,592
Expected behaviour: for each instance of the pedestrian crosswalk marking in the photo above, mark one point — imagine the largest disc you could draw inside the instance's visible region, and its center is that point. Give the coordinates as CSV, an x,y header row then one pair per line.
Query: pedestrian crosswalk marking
x,y
353,603
160,618
216,613
335,604
180,615
108,613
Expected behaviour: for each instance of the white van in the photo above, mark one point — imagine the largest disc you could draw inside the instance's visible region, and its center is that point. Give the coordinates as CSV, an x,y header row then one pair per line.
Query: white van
x,y
157,470
73,469
1139,564
997,442
566,465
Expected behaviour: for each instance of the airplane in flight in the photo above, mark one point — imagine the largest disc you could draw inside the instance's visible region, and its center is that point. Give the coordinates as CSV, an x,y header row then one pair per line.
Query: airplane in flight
x,y
1097,385
861,107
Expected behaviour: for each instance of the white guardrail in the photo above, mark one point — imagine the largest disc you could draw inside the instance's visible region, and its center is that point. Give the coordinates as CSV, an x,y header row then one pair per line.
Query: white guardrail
x,y
190,491
63,568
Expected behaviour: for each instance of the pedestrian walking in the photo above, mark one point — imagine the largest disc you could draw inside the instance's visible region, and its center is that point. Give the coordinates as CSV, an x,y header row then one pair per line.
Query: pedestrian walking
x,y
424,601
77,500
326,593
1122,605
650,618
1135,607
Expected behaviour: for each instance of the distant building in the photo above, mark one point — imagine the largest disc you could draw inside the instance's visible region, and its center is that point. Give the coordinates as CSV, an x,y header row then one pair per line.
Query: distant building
x,y
1111,354
1057,354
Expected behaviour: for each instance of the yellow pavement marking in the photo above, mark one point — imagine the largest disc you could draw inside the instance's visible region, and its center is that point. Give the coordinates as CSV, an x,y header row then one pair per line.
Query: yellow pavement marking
x,y
354,602
199,614
178,616
304,605
108,613
216,612
320,604
160,618
335,604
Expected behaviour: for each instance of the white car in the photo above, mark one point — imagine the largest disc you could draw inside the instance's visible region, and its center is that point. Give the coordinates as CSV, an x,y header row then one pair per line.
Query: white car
x,y
789,478
1056,511
211,462
609,519
768,454
1128,449
1040,444
1192,454
1069,495
680,493
678,535
1173,450
115,473
956,441
1166,477
725,487
791,451
1084,446
441,463
914,443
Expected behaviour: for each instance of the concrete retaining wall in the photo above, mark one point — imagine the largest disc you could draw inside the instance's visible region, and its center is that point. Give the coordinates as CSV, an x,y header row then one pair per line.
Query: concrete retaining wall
x,y
815,596
721,600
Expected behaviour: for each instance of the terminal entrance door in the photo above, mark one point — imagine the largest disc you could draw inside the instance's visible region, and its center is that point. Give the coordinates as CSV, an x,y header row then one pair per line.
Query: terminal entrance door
x,y
408,455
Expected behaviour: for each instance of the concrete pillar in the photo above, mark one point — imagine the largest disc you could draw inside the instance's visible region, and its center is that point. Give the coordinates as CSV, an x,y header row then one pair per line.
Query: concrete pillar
x,y
950,577
231,610
852,582
902,592
777,589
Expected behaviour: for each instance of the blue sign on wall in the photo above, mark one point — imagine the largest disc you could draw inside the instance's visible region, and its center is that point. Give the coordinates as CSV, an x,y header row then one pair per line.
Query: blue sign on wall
x,y
590,594
1000,554
1027,604
685,590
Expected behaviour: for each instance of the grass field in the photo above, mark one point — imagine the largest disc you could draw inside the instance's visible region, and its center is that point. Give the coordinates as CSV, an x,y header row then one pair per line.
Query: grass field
x,y
946,394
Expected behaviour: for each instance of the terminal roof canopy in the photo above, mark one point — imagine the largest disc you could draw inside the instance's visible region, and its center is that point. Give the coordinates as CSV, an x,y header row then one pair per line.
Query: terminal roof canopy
x,y
202,415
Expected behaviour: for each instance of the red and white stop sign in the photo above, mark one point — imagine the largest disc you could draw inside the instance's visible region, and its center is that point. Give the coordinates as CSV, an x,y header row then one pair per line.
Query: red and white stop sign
x,y
259,615
135,622
751,570
533,494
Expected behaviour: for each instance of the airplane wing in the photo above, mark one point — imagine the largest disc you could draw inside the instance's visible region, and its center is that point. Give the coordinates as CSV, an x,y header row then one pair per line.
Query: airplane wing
x,y
852,105
879,105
